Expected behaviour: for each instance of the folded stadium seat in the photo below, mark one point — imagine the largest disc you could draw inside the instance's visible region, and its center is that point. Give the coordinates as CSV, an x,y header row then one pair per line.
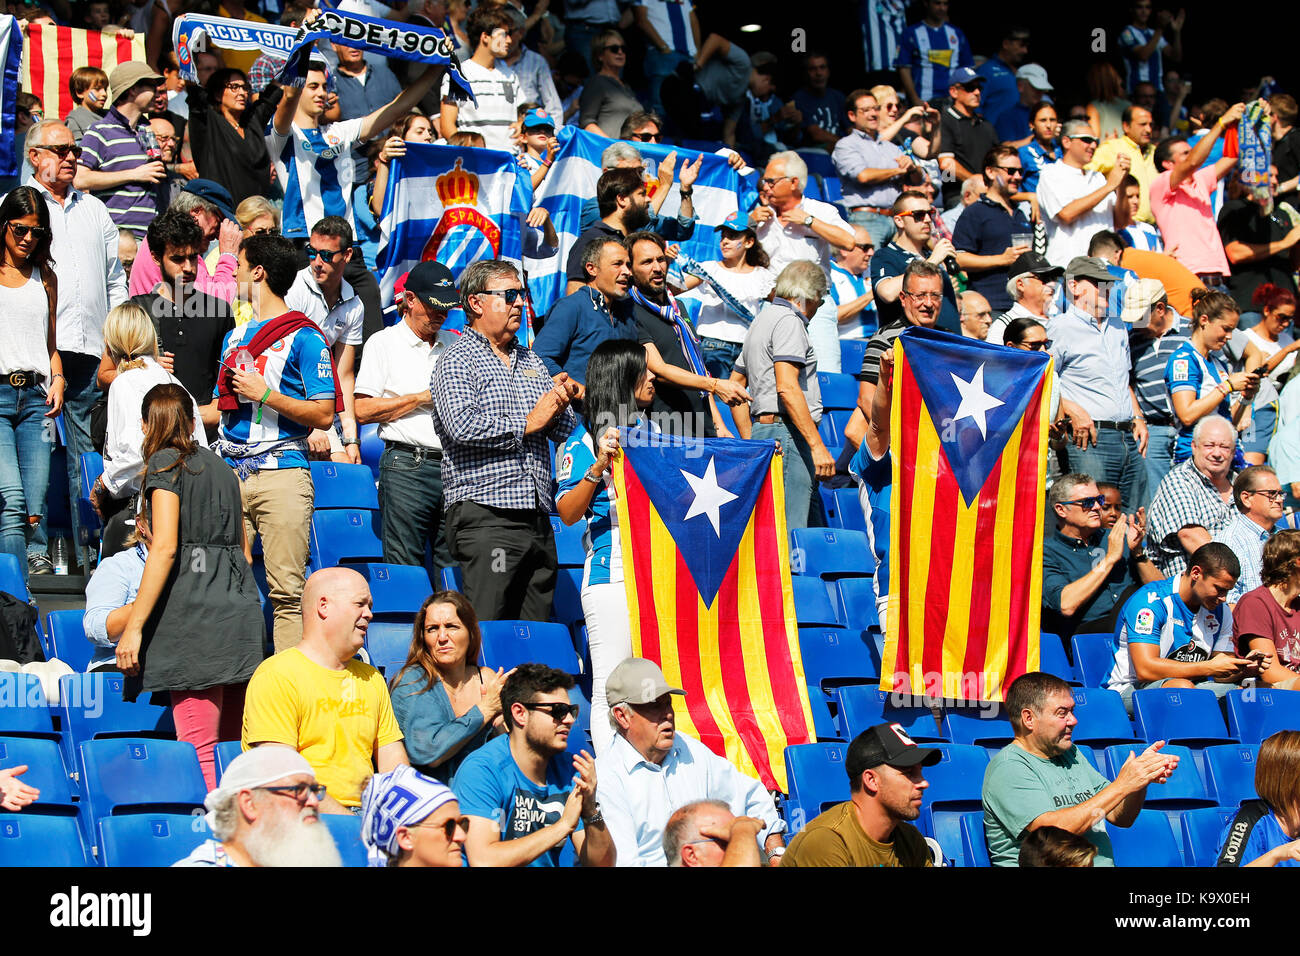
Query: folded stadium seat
x,y
580,732
1094,658
1255,714
975,851
812,603
23,711
825,726
848,510
511,643
863,707
875,639
68,641
1189,716
137,775
1052,659
1148,842
969,726
92,466
566,606
344,536
833,657
452,578
1202,829
956,783
1185,789
388,643
1090,755
91,706
1102,718
11,578
816,777
857,603
224,752
1230,773
830,554
343,486
852,352
397,590
372,448
150,839
32,840
839,390
345,828
569,549
45,771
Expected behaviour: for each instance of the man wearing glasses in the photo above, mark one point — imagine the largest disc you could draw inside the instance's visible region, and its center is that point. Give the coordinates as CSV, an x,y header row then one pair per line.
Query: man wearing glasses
x,y
1258,496
872,171
528,790
1087,571
1074,201
1136,145
1031,281
1193,503
993,233
913,218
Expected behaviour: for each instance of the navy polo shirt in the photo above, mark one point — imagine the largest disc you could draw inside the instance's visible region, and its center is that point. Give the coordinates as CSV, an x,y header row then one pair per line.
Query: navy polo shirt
x,y
576,326
985,229
891,261
1066,560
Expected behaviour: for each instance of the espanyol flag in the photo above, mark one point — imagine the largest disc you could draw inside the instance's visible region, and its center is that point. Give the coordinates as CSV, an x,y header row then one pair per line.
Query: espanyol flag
x,y
11,57
573,179
453,204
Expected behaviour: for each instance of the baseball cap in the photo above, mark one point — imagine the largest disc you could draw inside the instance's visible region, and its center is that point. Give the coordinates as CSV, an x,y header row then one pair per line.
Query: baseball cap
x,y
1139,297
214,193
127,75
1035,264
886,743
964,76
1035,76
538,117
433,283
1088,267
637,681
736,222
256,768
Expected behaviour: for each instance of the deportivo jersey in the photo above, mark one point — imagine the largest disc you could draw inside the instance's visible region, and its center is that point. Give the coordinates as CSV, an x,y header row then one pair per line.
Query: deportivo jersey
x,y
1155,614
604,550
316,169
875,478
298,366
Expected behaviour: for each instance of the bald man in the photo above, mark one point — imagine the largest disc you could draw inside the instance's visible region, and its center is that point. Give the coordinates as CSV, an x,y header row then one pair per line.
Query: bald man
x,y
319,699
707,834
976,316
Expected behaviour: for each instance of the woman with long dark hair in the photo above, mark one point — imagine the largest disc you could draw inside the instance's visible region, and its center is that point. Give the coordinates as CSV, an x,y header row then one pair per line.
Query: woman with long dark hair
x,y
195,633
227,132
446,705
31,375
619,389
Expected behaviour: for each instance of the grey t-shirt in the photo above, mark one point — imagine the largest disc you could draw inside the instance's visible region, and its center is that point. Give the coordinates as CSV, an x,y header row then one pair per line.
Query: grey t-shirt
x,y
724,80
778,334
607,102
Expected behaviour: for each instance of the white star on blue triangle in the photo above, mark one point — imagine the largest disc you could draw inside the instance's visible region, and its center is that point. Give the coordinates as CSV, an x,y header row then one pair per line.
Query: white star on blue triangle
x,y
974,400
709,496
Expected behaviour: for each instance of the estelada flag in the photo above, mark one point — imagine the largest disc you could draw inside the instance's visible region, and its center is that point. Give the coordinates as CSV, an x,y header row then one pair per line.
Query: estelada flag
x,y
52,53
706,564
968,437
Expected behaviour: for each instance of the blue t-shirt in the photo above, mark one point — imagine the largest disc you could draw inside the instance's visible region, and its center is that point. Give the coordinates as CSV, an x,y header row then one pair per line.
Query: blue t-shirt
x,y
1188,371
1266,835
1000,90
875,478
604,550
490,784
826,111
1033,157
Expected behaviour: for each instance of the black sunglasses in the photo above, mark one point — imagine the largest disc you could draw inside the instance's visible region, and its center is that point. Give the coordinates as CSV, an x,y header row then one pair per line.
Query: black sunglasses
x,y
646,137
557,710
62,150
1042,346
1087,504
918,215
1083,139
448,827
510,295
865,246
327,254
614,48
21,231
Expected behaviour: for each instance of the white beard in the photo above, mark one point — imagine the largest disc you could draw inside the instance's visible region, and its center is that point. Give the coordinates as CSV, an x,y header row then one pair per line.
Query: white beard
x,y
289,841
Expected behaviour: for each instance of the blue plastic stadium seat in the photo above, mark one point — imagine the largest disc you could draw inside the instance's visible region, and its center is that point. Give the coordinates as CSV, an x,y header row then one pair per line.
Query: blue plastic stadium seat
x,y
956,782
68,640
835,656
824,725
817,780
150,839
1183,790
452,579
224,752
511,643
23,712
863,707
852,352
832,425
818,162
830,554
1052,659
346,830
975,851
91,706
11,578
92,466
1201,831
857,602
1148,842
839,390
1180,716
1256,714
343,486
1230,772
388,643
397,590
970,726
45,771
812,603
1089,755
566,606
372,448
344,536
569,549
580,732
1102,717
848,510
1094,658
34,840
133,775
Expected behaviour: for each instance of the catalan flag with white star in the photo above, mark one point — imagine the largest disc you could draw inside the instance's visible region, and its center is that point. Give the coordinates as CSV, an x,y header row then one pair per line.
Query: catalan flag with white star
x,y
707,570
969,445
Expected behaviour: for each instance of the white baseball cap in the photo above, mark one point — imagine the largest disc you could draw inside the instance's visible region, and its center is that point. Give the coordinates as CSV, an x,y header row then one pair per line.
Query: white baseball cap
x,y
1035,76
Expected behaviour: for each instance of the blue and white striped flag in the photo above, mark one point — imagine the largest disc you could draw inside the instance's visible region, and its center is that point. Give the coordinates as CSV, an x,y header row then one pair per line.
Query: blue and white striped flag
x,y
11,56
572,180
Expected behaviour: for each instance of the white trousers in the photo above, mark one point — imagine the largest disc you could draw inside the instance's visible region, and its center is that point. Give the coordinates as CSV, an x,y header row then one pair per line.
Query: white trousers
x,y
609,637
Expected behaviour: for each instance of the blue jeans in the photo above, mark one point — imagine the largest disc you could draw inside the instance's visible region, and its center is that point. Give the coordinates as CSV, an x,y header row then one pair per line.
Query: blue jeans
x,y
1160,458
719,356
410,500
659,66
78,399
880,227
1115,458
26,439
803,502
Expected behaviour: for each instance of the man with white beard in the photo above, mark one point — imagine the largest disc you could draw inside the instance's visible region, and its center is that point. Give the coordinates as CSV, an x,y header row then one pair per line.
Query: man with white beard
x,y
266,812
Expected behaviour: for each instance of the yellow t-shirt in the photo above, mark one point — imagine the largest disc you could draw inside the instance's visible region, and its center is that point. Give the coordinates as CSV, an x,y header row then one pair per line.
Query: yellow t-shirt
x,y
336,719
241,59
1142,167
836,838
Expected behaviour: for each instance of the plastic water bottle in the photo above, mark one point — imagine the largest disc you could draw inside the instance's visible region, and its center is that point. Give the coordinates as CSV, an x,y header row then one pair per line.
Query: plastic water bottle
x,y
244,363
59,555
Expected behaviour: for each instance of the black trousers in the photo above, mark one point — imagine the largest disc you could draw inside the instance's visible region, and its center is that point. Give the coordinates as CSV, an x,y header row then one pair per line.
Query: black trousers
x,y
508,559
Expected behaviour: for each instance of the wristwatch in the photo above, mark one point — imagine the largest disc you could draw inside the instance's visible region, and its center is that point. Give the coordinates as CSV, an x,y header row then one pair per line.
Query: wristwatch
x,y
596,817
808,222
586,476
686,190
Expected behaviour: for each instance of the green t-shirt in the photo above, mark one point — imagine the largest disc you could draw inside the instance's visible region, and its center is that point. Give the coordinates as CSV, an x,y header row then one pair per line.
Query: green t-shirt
x,y
1019,788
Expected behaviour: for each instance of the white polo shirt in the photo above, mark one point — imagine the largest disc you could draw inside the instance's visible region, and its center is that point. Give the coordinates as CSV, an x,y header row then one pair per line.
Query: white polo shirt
x,y
787,244
397,362
342,322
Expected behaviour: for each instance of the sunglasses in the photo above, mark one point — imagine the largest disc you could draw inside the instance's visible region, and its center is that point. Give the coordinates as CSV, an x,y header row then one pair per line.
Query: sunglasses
x,y
62,150
265,231
510,295
865,247
448,827
770,181
327,254
1270,495
1091,140
1013,170
614,48
646,137
20,231
918,215
1042,346
1087,504
299,791
557,710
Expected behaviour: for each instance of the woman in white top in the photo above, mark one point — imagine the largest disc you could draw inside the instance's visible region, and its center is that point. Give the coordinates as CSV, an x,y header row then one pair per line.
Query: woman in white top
x,y
132,343
744,274
1271,350
31,375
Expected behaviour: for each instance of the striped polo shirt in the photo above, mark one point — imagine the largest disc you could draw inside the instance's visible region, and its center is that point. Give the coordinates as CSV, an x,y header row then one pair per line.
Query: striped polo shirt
x,y
111,146
316,169
498,94
1150,357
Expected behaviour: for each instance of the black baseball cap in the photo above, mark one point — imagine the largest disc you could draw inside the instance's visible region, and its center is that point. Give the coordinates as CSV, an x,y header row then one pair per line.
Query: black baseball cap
x,y
1035,264
886,743
433,283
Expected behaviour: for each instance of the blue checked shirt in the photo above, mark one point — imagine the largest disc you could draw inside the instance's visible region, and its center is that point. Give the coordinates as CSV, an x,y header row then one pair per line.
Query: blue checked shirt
x,y
1247,540
479,407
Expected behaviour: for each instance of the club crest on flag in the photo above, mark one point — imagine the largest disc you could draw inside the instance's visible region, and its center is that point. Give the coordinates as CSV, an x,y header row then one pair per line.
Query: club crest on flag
x,y
463,227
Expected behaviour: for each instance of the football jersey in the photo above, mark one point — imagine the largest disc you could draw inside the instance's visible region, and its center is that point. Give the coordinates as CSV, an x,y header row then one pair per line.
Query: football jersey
x,y
845,287
601,539
1189,371
316,169
875,478
1155,614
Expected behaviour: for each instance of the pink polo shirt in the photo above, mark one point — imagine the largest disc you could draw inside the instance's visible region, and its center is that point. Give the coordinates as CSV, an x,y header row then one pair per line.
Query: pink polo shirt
x,y
145,275
1186,220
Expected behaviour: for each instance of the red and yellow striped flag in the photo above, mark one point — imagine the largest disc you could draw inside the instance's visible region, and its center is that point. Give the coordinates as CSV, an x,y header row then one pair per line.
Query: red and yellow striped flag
x,y
52,53
969,444
706,563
